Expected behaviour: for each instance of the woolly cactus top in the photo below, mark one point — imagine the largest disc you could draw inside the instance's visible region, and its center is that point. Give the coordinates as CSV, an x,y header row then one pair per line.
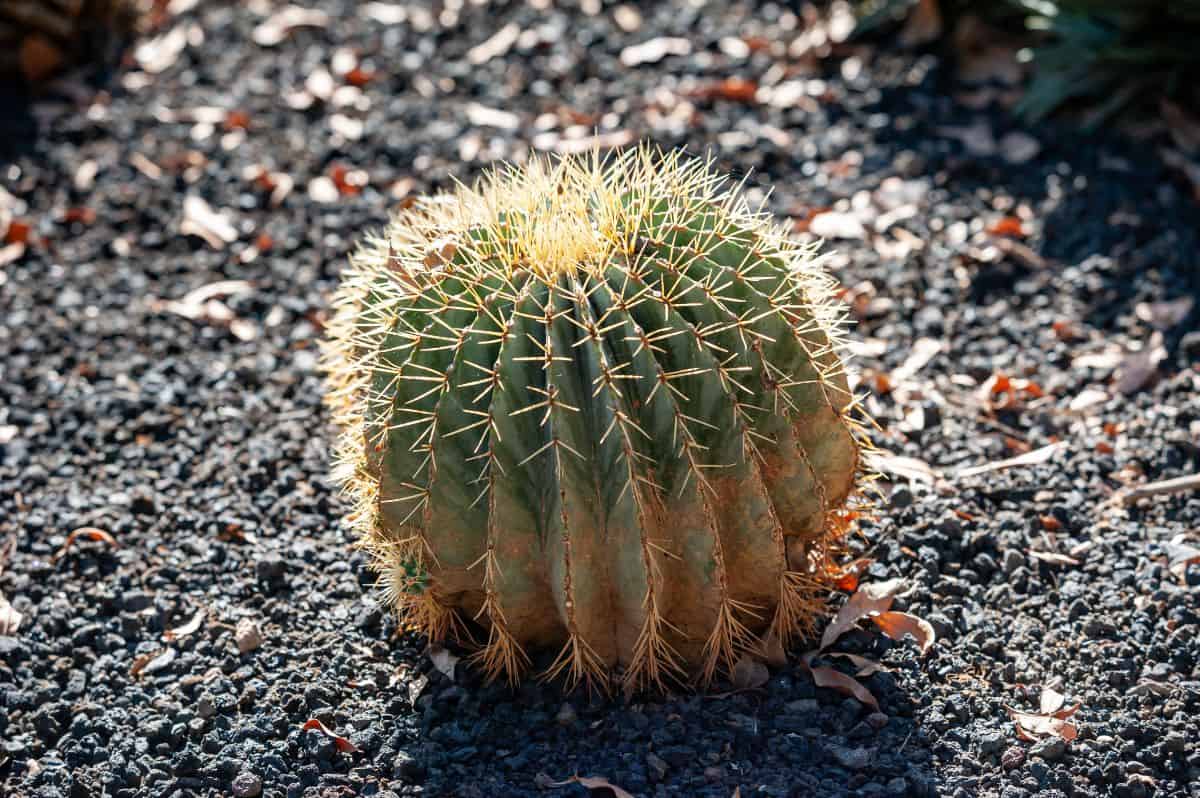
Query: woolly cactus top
x,y
593,342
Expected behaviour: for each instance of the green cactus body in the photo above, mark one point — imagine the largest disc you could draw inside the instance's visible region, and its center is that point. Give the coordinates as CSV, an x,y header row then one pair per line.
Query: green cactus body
x,y
595,406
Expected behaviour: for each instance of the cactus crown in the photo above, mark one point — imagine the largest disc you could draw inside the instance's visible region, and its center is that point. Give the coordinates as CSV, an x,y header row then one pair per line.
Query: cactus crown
x,y
574,350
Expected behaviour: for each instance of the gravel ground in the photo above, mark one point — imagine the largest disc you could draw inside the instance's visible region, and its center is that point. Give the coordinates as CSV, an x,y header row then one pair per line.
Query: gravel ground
x,y
188,426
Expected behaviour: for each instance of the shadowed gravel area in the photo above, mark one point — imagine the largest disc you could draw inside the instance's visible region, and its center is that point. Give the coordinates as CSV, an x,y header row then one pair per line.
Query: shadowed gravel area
x,y
1024,266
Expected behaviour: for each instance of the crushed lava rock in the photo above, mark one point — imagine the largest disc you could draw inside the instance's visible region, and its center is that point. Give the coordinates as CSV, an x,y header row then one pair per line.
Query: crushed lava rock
x,y
171,244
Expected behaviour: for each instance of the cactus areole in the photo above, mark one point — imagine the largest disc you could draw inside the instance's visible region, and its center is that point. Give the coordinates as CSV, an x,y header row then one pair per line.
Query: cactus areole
x,y
594,407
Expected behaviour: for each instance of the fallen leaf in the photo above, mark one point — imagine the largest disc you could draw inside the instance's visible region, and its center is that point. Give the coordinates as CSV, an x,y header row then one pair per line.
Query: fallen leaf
x,y
1087,399
275,28
1035,457
247,636
865,666
497,45
909,468
772,649
1052,558
1051,701
39,58
923,350
1034,726
1148,688
868,599
898,624
976,138
343,745
733,89
654,50
1184,128
87,533
1188,167
594,783
180,632
199,219
833,224
749,673
1018,148
10,619
1165,315
385,13
846,685
444,661
848,580
416,687
152,663
1181,555
1007,226
159,53
482,116
1139,366
923,25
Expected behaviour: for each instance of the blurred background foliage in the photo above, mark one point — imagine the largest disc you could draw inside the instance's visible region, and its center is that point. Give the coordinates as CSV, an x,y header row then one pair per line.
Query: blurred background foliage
x,y
1100,57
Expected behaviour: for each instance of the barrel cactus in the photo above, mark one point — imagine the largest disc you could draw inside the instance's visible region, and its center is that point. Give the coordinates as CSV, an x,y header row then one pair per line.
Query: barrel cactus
x,y
40,38
594,406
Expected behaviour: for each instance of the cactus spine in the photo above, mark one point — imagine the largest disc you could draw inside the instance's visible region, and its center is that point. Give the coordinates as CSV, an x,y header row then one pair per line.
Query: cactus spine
x,y
595,405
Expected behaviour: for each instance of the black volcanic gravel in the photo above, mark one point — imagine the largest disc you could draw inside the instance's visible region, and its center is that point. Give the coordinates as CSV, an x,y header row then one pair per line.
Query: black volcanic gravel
x,y
201,445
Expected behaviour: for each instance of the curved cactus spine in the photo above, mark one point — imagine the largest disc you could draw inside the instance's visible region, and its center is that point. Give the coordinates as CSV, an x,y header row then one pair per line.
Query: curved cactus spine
x,y
596,408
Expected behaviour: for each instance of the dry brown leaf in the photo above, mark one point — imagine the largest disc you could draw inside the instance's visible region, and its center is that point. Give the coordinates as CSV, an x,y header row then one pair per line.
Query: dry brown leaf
x,y
1138,367
199,219
444,661
898,624
867,600
835,224
152,663
1018,147
850,575
1087,399
749,673
772,649
1052,558
39,58
343,745
87,533
10,619
180,632
923,350
1165,315
275,28
497,45
594,783
194,304
157,54
865,666
734,89
909,468
1034,726
1180,556
1188,167
1051,701
924,24
1035,457
846,685
385,13
654,50
1184,128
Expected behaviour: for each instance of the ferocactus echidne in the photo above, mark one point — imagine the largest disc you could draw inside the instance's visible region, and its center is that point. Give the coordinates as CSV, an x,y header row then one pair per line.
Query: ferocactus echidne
x,y
595,406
